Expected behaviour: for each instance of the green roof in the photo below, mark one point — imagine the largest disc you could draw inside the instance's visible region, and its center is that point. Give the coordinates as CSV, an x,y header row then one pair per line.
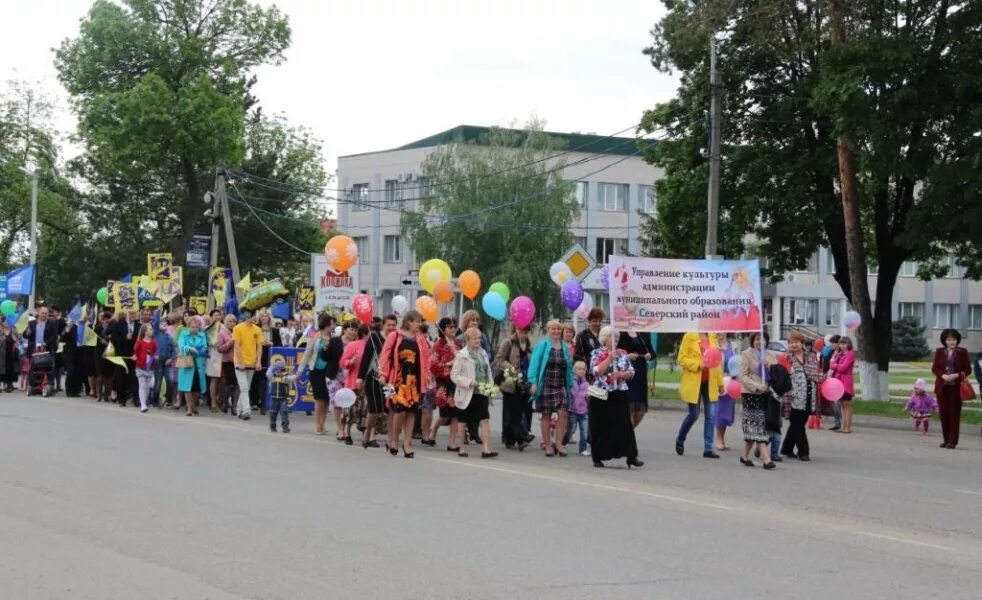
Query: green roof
x,y
473,134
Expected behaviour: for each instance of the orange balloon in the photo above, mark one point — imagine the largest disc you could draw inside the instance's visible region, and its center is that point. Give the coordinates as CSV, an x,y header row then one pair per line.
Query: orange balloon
x,y
470,284
427,307
443,292
341,253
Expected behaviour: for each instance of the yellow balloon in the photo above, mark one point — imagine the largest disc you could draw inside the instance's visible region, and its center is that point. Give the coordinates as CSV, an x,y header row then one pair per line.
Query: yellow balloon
x,y
433,272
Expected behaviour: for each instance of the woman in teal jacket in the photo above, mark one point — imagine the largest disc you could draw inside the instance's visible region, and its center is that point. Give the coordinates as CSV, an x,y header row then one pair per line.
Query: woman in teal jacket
x,y
551,378
191,380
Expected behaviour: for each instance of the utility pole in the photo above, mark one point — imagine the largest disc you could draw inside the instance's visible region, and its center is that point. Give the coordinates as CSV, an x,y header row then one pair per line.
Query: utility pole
x,y
715,118
222,203
216,219
32,172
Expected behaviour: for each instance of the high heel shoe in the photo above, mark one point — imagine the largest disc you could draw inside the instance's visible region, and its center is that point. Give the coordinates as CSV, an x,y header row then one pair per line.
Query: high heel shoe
x,y
348,441
409,454
393,451
560,451
634,462
746,462
598,464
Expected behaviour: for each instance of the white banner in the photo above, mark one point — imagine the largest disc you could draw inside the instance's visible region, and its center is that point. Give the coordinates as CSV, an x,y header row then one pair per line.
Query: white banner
x,y
333,290
678,296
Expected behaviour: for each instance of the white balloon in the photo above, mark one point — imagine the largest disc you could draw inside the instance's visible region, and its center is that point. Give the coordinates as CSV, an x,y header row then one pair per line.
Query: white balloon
x,y
399,305
344,398
560,272
584,309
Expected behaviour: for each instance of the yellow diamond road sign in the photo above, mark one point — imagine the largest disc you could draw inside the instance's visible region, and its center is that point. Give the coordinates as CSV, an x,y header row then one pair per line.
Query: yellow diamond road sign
x,y
579,262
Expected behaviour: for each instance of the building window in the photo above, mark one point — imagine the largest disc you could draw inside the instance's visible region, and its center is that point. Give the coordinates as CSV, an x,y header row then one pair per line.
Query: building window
x,y
612,196
833,310
601,300
911,309
812,266
975,316
581,241
364,253
829,262
768,310
608,246
872,269
393,193
946,316
648,202
908,269
393,248
425,187
800,311
359,197
580,193
954,270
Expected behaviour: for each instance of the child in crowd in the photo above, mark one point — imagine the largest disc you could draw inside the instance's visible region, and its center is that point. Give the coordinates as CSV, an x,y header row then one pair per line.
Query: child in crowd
x,y
145,357
921,405
579,407
25,365
280,381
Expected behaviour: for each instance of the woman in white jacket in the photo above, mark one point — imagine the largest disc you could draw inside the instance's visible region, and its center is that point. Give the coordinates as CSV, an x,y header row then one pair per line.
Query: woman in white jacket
x,y
470,370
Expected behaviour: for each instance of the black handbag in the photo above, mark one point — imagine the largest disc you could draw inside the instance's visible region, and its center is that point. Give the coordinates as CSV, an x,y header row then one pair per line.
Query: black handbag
x,y
772,418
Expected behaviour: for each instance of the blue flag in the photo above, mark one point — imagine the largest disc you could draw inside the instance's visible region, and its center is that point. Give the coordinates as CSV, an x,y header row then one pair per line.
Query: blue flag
x,y
80,334
75,315
128,278
20,281
281,309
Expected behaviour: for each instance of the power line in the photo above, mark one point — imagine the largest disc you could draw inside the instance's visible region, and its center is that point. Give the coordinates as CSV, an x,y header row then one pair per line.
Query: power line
x,y
263,223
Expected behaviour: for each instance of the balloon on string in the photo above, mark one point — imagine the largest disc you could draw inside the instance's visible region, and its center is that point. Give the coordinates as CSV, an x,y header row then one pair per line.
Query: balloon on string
x,y
572,294
818,345
605,277
102,296
344,398
522,311
832,389
443,292
733,365
433,272
364,307
8,307
733,389
494,305
852,320
560,273
712,358
583,310
501,289
470,284
341,253
428,308
400,305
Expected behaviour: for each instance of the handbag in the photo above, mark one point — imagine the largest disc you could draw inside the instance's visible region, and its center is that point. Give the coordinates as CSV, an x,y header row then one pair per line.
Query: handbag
x,y
966,391
595,391
185,361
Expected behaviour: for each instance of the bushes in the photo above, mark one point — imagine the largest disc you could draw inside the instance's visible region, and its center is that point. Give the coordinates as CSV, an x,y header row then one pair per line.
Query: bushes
x,y
908,340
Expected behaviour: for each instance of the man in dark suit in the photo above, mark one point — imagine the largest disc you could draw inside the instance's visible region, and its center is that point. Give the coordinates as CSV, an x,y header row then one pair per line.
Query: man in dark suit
x,y
41,336
122,334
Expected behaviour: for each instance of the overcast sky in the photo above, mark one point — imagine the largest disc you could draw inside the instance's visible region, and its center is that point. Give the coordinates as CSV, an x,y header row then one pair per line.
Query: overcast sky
x,y
369,75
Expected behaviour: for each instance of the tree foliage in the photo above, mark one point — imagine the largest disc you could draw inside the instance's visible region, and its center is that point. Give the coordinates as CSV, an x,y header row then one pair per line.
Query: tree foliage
x,y
505,212
904,86
908,340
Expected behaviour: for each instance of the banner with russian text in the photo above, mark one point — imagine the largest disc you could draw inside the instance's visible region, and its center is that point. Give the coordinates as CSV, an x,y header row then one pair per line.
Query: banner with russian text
x,y
678,296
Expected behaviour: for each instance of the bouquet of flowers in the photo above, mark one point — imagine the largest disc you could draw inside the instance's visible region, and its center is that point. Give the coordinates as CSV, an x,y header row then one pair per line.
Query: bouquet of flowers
x,y
489,390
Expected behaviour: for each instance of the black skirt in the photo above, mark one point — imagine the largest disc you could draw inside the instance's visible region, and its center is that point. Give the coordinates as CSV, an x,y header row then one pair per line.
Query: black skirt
x,y
476,411
611,428
318,385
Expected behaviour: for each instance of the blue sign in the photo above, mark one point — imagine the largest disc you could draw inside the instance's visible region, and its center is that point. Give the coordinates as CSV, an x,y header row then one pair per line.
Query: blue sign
x,y
3,286
20,281
199,251
301,394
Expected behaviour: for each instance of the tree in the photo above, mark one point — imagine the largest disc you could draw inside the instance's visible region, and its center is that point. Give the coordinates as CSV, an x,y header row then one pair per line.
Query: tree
x,y
903,86
908,340
498,208
161,90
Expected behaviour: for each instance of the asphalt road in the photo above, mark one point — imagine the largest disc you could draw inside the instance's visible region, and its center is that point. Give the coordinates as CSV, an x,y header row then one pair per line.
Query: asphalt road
x,y
102,502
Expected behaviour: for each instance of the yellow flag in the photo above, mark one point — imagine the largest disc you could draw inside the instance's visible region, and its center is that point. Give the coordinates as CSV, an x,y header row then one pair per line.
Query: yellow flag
x,y
244,284
22,321
212,333
91,339
118,361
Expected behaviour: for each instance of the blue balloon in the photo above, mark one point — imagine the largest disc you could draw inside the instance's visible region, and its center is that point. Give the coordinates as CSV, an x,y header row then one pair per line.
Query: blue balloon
x,y
733,366
494,305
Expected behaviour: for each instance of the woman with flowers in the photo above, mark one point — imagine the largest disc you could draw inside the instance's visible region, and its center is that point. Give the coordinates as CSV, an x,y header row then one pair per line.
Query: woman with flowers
x,y
510,368
611,426
471,375
443,353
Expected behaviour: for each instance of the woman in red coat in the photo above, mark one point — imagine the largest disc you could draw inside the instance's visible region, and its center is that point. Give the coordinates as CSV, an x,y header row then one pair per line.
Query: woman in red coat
x,y
951,367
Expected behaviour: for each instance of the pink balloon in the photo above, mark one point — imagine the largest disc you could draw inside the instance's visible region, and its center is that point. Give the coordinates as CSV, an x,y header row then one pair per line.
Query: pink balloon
x,y
733,389
712,357
833,389
522,311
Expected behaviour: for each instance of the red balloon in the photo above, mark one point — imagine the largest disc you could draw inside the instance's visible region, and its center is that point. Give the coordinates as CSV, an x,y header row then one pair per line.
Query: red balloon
x,y
818,345
733,389
712,357
364,307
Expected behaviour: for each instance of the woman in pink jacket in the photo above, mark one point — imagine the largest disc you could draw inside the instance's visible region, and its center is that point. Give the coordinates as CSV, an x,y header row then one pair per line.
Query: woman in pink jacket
x,y
841,368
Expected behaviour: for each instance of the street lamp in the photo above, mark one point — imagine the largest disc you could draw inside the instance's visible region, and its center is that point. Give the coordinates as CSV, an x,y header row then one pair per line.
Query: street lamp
x,y
32,172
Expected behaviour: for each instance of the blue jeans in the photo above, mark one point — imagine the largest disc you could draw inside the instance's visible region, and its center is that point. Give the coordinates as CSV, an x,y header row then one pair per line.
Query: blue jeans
x,y
161,372
709,423
279,406
583,422
775,444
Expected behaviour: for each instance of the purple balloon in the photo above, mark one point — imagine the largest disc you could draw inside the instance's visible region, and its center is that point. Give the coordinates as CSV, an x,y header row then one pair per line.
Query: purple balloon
x,y
572,294
605,277
522,311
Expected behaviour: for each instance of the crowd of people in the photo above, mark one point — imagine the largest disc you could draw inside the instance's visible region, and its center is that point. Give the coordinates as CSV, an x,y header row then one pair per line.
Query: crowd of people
x,y
407,382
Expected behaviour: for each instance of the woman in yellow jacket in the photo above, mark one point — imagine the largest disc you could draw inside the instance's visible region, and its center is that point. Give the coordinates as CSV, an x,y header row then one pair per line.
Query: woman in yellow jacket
x,y
698,384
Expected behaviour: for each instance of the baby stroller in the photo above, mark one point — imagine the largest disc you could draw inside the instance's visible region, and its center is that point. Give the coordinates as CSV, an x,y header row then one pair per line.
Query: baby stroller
x,y
39,377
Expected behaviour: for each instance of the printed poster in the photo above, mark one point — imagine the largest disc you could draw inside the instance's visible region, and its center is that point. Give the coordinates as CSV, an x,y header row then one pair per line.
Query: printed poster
x,y
333,291
159,265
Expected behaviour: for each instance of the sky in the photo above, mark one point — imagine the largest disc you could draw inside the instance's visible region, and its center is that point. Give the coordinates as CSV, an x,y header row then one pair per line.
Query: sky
x,y
368,75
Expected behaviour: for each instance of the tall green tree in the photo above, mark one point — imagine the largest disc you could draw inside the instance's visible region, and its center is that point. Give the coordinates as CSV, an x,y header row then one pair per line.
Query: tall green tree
x,y
903,87
505,212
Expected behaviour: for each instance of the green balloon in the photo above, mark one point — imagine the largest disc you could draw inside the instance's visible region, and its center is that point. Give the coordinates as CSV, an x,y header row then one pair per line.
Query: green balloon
x,y
8,307
102,296
502,290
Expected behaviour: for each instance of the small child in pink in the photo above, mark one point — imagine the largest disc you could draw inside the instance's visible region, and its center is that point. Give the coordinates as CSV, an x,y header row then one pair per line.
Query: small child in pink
x,y
921,406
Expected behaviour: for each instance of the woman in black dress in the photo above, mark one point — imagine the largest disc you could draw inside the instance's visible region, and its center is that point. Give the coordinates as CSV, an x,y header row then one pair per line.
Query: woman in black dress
x,y
611,428
756,395
639,353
